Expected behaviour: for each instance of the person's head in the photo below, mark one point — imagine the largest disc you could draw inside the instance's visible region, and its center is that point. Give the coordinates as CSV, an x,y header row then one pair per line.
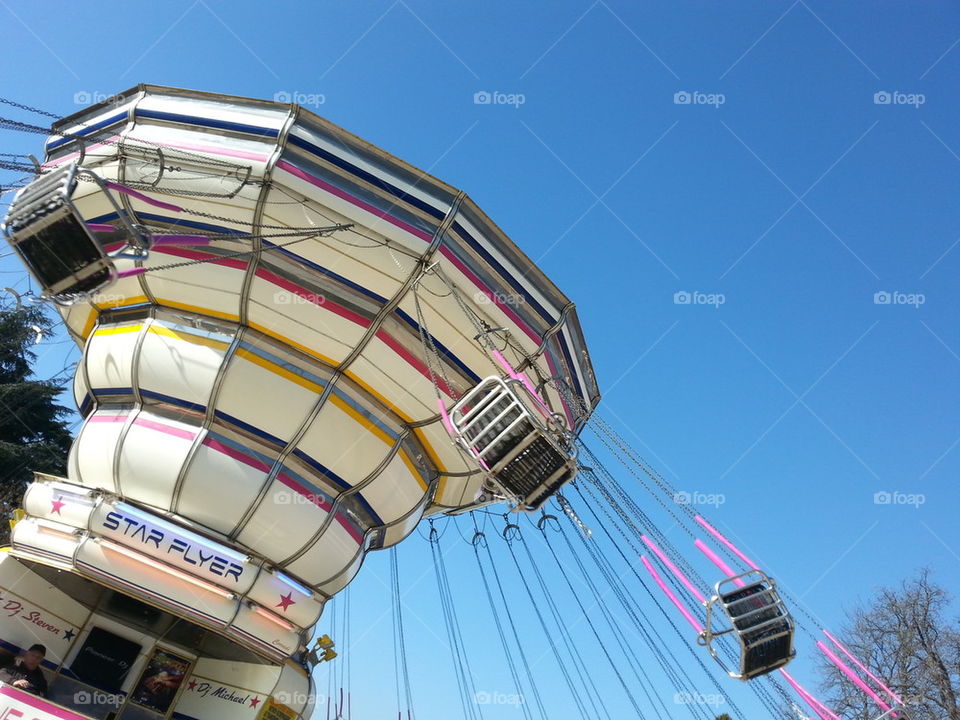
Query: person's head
x,y
34,656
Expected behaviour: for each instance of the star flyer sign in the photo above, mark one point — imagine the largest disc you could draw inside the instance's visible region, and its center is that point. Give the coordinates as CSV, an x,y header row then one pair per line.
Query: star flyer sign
x,y
204,698
16,704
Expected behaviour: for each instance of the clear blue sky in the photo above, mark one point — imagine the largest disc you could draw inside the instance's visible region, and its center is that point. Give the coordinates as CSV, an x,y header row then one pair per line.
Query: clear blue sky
x,y
797,200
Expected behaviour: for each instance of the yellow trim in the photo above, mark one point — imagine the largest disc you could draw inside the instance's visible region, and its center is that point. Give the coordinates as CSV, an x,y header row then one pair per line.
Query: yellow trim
x,y
201,311
88,325
292,343
194,339
118,330
123,302
279,370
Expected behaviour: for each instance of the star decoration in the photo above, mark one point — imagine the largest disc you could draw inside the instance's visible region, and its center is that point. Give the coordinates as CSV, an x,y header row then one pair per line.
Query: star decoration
x,y
254,702
286,601
68,635
57,505
192,685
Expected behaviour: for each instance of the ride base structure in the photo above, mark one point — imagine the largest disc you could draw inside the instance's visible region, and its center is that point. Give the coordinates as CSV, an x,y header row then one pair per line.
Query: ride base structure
x,y
294,347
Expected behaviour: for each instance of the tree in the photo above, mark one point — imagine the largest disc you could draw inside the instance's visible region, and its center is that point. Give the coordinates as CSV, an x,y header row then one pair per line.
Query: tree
x,y
723,717
33,434
904,639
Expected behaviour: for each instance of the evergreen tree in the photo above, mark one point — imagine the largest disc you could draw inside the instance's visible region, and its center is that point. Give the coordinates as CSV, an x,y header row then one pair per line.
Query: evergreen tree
x,y
33,433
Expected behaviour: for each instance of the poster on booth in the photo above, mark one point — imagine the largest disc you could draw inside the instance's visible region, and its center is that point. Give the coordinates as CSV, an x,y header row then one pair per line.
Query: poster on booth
x,y
272,710
19,705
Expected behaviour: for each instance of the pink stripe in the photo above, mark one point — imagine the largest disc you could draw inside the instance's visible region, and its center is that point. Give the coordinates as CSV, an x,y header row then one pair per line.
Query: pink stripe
x,y
730,546
169,430
100,227
297,172
818,707
400,350
854,678
447,253
673,568
98,418
37,703
663,586
243,154
312,297
715,559
131,272
860,665
71,156
143,198
196,255
445,417
312,497
230,452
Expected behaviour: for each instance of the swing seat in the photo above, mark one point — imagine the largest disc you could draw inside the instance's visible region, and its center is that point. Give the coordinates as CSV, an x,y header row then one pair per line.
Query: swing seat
x,y
759,620
47,231
494,424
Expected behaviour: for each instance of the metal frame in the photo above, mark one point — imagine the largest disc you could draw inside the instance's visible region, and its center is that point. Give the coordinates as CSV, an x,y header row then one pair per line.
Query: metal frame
x,y
53,193
468,417
752,577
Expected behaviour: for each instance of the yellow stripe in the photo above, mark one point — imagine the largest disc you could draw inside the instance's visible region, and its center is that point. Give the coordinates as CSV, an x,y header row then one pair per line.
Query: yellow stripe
x,y
123,302
279,370
306,383
188,337
88,325
118,330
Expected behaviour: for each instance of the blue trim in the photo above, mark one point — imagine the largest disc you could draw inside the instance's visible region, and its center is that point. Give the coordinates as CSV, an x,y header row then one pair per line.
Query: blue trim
x,y
206,122
369,177
54,144
327,273
343,484
173,401
220,415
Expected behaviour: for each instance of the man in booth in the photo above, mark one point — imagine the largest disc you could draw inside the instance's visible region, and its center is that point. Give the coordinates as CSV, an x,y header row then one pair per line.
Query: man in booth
x,y
25,673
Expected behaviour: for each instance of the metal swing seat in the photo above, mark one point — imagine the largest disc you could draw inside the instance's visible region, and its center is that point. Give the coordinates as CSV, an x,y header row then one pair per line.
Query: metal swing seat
x,y
47,231
506,428
757,618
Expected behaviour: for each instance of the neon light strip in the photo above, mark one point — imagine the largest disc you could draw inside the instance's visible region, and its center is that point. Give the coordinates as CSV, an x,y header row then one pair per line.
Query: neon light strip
x,y
730,546
817,706
144,560
860,665
273,618
845,669
673,568
294,584
663,586
716,560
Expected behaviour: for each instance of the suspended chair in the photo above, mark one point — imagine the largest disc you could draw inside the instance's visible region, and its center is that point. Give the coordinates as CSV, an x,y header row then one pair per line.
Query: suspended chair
x,y
506,428
756,616
49,234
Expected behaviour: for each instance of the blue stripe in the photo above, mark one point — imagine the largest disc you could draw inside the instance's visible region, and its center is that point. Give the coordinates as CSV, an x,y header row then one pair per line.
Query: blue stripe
x,y
173,401
365,175
54,144
344,485
206,122
220,415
